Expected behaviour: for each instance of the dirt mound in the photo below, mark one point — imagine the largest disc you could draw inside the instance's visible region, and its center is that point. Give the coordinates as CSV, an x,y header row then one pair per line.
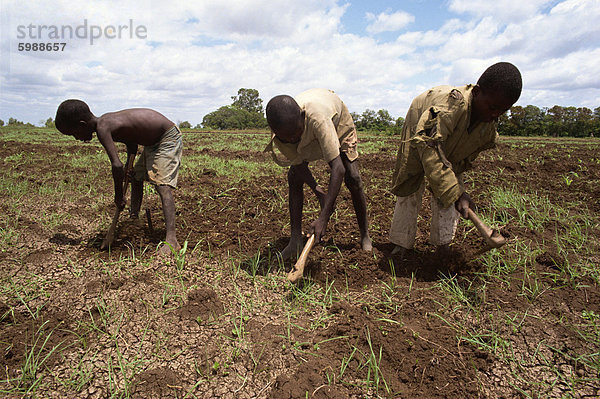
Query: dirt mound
x,y
162,383
202,305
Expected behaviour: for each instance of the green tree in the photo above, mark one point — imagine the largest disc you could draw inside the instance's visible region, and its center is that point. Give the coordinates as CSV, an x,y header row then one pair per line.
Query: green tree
x,y
570,121
556,119
185,125
584,122
383,120
596,122
511,123
371,120
246,112
49,122
397,128
231,117
249,100
1,122
533,121
367,120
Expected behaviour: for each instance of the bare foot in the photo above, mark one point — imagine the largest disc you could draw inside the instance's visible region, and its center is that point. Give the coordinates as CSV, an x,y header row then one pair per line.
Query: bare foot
x,y
169,247
366,244
293,249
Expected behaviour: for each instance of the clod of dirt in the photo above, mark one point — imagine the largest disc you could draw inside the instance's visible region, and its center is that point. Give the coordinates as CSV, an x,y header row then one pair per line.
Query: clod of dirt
x,y
6,315
203,304
550,260
157,383
305,380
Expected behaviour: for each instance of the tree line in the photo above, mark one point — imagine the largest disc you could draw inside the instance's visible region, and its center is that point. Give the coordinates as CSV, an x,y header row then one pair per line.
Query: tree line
x,y
246,112
556,121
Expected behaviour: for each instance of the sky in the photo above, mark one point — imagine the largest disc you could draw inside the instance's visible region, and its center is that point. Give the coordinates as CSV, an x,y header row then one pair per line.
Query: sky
x,y
188,58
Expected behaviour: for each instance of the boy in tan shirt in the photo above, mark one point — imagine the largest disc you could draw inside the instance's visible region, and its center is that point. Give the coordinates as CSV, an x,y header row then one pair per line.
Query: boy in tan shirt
x,y
316,125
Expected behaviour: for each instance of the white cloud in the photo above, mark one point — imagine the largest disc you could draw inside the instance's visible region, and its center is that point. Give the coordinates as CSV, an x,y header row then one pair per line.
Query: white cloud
x,y
197,55
388,22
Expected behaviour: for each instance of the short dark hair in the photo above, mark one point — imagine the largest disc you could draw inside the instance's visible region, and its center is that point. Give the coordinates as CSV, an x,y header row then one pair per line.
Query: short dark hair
x,y
70,112
282,111
503,78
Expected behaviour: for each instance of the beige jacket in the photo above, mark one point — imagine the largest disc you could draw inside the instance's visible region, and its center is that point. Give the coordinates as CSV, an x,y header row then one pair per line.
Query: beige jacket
x,y
438,144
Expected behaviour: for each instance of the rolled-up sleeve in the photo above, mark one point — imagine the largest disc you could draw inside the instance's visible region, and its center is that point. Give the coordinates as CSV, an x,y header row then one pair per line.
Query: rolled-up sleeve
x,y
433,128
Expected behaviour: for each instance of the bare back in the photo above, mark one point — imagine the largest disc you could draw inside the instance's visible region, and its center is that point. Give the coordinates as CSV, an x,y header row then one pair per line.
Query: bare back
x,y
140,126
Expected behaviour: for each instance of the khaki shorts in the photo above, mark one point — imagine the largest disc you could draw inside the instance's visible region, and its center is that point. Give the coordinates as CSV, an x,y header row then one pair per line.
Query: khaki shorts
x,y
159,163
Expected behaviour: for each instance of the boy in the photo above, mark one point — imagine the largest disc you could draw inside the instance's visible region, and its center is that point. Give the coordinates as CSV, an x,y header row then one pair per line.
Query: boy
x,y
444,131
316,125
159,162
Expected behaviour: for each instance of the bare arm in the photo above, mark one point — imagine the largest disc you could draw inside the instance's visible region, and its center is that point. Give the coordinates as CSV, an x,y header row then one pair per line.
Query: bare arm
x,y
107,142
335,182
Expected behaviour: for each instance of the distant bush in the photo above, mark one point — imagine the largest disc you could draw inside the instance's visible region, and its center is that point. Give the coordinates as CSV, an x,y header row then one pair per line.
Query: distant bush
x,y
231,117
246,112
185,125
249,100
1,122
16,122
380,121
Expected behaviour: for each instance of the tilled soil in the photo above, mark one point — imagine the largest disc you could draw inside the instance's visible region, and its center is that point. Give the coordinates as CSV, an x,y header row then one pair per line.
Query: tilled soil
x,y
223,323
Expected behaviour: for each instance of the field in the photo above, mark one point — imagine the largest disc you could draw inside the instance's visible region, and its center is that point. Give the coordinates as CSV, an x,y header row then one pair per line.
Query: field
x,y
219,319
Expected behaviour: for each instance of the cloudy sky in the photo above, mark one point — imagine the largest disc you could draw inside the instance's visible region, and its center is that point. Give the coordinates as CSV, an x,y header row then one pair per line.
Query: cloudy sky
x,y
188,58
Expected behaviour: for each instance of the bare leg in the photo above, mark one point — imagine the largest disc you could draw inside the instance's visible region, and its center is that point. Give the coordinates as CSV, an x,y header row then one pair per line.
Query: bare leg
x,y
137,193
354,183
296,202
166,196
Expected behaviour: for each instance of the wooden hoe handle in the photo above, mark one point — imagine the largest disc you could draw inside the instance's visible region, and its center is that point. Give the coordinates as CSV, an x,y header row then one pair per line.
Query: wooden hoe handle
x,y
492,237
298,270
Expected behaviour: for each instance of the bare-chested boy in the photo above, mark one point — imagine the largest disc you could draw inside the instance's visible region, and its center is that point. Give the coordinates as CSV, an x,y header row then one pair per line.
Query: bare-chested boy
x,y
159,162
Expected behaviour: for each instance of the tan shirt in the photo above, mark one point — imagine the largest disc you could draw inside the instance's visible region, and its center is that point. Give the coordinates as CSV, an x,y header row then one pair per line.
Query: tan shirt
x,y
437,143
328,129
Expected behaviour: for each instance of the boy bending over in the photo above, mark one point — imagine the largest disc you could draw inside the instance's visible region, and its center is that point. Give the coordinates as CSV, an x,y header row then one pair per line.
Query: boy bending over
x,y
444,131
159,162
316,125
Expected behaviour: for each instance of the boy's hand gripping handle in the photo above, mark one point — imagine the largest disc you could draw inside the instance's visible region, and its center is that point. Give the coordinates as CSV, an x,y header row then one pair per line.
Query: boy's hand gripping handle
x,y
110,234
